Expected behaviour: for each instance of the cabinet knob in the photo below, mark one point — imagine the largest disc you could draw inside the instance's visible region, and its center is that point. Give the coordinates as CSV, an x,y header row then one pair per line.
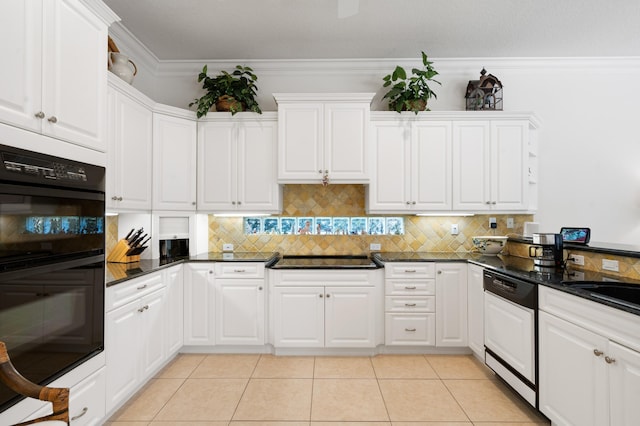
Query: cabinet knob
x,y
597,352
493,202
52,119
609,360
488,202
233,203
320,171
408,203
320,296
239,202
210,271
439,272
114,198
413,202
193,203
260,288
328,295
39,115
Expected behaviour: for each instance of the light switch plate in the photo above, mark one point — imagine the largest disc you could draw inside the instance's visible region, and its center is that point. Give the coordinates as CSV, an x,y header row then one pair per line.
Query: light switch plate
x,y
610,265
227,247
454,229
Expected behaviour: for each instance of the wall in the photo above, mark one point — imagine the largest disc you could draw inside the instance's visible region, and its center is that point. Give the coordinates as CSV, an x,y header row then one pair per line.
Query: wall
x,y
588,150
421,233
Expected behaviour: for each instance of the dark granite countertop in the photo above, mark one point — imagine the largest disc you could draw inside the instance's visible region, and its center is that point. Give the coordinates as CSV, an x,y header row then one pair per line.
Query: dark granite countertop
x,y
522,268
120,272
326,262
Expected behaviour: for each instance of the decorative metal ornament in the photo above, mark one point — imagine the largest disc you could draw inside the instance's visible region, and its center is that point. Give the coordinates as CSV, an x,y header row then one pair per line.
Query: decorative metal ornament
x,y
485,93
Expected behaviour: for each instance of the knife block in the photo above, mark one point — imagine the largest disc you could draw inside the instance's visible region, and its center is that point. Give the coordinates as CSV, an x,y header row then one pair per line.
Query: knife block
x,y
119,253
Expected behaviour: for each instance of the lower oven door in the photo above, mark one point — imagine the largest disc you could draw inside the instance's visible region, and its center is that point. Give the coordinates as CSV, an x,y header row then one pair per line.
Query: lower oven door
x,y
509,331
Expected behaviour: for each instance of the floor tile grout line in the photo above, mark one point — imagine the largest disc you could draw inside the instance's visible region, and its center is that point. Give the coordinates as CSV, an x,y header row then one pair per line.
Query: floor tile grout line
x,y
386,408
244,390
444,383
313,383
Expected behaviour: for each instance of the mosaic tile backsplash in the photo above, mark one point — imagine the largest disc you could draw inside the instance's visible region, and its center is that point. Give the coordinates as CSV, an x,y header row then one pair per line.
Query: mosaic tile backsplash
x,y
420,233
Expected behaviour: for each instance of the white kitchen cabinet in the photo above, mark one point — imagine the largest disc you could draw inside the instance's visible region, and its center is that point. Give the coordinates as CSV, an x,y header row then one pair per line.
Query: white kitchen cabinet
x,y
323,135
475,309
451,304
490,165
589,360
333,309
130,147
173,279
240,304
237,164
135,330
174,161
411,165
199,304
55,79
410,306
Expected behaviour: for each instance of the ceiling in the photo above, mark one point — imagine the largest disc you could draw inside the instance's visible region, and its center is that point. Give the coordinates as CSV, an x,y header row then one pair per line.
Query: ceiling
x,y
341,29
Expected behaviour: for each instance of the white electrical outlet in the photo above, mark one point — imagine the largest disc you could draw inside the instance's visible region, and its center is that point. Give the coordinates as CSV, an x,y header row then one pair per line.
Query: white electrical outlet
x,y
375,247
227,247
610,265
493,223
454,229
509,222
577,259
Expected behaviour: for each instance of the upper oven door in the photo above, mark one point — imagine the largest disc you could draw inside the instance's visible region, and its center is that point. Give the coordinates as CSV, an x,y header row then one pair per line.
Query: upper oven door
x,y
44,225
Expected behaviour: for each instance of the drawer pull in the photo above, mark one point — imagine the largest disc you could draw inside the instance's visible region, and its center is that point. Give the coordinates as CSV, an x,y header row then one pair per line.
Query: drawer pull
x,y
410,329
144,308
410,287
597,352
84,411
142,287
411,305
609,359
410,271
239,270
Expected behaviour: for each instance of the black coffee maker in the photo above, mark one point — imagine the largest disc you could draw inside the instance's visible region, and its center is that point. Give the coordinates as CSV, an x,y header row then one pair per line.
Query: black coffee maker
x,y
547,251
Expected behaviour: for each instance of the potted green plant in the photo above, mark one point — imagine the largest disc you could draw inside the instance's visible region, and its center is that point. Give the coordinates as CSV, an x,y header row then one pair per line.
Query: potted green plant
x,y
233,92
411,93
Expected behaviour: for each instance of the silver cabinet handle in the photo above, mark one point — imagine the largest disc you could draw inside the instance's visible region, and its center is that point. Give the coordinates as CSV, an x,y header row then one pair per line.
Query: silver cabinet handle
x,y
407,287
84,411
52,119
239,270
410,329
597,352
39,115
142,287
609,359
410,304
409,270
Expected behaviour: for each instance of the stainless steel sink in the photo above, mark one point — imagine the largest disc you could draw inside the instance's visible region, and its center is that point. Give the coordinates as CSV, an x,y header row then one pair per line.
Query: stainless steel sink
x,y
616,292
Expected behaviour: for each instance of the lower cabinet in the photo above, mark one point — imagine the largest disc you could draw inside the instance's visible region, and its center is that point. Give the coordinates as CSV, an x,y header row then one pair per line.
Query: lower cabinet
x,y
135,338
199,304
173,278
451,304
308,314
586,377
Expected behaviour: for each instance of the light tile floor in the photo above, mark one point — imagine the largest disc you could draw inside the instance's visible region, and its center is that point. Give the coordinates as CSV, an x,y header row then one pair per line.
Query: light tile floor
x,y
251,390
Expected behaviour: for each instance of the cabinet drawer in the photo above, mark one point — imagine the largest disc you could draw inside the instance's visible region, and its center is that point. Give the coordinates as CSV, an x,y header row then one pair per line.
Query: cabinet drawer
x,y
410,270
410,304
410,287
128,291
239,270
410,329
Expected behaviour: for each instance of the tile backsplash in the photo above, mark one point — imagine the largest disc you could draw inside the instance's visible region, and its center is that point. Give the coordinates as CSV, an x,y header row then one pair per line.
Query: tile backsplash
x,y
421,233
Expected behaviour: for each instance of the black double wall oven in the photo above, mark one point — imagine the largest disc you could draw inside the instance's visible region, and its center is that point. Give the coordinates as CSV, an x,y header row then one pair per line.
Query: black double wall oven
x,y
52,243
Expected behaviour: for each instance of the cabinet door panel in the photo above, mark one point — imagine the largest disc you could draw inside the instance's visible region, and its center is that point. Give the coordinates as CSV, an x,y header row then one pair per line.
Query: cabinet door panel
x,y
239,312
217,166
431,166
390,188
122,347
509,159
174,163
451,304
625,385
153,327
471,186
349,317
475,309
300,142
20,97
74,91
299,316
573,380
345,141
257,187
175,309
199,303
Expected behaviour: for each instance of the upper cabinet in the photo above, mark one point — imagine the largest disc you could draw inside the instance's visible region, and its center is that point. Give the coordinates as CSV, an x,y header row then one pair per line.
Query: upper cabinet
x,y
410,165
54,80
237,164
458,162
130,147
491,165
174,159
323,137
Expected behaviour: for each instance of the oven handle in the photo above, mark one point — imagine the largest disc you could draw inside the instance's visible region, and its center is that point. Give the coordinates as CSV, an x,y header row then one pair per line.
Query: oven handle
x,y
51,267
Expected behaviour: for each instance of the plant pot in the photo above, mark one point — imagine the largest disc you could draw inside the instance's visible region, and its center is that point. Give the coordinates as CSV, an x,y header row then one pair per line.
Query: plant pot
x,y
228,103
414,105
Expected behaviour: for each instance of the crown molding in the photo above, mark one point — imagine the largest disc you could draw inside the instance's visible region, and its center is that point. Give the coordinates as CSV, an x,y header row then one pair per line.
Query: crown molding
x,y
101,10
